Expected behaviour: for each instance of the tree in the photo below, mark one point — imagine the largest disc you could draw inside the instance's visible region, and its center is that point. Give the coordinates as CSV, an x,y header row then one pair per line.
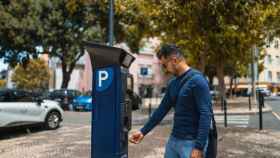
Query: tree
x,y
34,77
60,27
2,83
66,25
215,32
19,30
130,23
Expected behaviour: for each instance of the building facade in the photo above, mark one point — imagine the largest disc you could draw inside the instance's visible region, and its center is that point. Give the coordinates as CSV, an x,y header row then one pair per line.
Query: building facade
x,y
269,78
149,79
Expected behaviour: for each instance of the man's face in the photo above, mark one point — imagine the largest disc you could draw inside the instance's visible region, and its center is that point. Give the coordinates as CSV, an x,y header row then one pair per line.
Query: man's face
x,y
169,64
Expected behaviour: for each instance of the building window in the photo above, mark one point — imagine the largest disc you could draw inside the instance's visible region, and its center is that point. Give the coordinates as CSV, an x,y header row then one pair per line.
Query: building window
x,y
269,76
269,59
145,71
277,60
278,76
276,44
268,43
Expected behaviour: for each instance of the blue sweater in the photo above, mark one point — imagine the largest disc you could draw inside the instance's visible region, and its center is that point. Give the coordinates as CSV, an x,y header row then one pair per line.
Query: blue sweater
x,y
192,117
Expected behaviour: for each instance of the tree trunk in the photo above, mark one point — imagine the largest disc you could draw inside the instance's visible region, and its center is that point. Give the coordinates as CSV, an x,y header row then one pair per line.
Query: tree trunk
x,y
231,86
202,62
66,76
211,81
220,75
235,85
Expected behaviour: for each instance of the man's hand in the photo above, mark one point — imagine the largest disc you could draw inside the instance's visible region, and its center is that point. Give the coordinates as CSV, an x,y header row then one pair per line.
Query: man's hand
x,y
136,137
196,153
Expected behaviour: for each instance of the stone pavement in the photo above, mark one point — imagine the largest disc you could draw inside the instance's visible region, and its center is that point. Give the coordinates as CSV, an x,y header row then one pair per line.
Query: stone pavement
x,y
65,142
74,142
233,143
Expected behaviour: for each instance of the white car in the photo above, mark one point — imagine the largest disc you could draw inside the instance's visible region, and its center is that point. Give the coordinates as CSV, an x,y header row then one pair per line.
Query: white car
x,y
18,107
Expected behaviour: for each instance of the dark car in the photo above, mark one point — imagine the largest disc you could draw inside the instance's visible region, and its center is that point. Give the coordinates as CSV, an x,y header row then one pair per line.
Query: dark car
x,y
64,97
135,99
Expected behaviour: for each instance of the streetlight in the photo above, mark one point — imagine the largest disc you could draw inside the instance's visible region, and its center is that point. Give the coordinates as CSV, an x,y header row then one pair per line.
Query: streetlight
x,y
111,22
254,71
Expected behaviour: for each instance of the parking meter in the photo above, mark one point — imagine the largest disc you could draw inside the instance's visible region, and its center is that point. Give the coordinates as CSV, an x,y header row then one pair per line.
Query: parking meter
x,y
111,115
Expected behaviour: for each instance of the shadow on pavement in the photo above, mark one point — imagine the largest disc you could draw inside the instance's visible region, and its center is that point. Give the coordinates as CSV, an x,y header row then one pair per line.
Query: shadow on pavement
x,y
14,132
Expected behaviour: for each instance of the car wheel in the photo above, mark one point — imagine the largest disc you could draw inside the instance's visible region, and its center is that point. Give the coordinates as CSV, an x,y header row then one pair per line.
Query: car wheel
x,y
52,120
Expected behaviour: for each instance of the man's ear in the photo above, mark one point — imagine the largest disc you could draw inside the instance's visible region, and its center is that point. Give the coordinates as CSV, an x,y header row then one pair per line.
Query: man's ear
x,y
175,60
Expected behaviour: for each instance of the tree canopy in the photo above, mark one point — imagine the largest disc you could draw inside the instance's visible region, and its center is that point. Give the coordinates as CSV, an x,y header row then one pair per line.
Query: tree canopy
x,y
59,28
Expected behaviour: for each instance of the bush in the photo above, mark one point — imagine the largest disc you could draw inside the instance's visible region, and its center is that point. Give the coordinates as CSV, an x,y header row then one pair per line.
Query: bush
x,y
34,76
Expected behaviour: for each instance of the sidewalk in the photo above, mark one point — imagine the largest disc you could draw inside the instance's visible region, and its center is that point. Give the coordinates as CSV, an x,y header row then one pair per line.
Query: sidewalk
x,y
233,143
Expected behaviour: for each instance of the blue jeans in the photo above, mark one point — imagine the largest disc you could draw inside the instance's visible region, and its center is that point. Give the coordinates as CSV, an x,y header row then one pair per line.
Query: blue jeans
x,y
177,148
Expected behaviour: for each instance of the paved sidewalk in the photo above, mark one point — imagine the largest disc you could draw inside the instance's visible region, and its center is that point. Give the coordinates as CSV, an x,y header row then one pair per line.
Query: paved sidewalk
x,y
233,143
74,142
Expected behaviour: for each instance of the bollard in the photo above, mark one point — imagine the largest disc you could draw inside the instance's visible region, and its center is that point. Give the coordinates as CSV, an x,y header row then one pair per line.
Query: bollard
x,y
250,104
261,102
150,110
225,112
222,103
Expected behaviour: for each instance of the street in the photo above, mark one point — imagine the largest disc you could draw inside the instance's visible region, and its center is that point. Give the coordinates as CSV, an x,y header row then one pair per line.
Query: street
x,y
73,138
270,121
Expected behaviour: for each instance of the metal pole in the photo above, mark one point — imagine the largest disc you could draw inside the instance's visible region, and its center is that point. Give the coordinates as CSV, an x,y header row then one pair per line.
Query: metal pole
x,y
225,112
150,110
261,102
222,103
253,74
111,22
250,106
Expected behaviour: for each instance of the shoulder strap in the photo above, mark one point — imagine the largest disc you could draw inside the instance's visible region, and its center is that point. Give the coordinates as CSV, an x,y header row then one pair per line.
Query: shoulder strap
x,y
184,80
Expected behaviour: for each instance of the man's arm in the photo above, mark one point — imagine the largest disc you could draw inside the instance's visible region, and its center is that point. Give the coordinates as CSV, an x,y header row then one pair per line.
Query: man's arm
x,y
160,112
203,101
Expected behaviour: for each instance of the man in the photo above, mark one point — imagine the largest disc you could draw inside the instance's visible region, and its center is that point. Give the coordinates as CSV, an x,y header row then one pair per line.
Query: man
x,y
191,101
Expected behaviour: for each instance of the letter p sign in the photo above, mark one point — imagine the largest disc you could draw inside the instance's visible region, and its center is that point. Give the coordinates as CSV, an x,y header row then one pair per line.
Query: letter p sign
x,y
104,78
102,75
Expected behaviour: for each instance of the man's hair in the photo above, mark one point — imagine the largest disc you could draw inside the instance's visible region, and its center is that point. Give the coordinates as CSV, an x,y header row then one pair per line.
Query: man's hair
x,y
167,50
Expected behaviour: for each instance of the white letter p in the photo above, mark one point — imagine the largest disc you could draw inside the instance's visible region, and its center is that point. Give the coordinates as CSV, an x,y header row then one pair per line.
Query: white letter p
x,y
102,75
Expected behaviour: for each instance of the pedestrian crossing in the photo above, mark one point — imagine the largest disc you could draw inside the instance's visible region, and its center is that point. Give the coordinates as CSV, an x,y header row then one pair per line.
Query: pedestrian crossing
x,y
234,120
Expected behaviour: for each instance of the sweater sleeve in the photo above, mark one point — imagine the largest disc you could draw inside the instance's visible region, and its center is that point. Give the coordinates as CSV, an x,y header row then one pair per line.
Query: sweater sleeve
x,y
159,113
203,101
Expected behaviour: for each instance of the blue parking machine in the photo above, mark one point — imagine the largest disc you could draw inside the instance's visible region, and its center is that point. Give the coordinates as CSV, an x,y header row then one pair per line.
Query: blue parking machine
x,y
111,117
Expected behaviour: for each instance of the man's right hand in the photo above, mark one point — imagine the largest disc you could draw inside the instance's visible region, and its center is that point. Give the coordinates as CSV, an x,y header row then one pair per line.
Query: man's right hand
x,y
136,137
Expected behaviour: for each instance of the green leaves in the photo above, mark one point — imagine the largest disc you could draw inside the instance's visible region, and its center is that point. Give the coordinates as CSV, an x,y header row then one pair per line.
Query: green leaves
x,y
219,30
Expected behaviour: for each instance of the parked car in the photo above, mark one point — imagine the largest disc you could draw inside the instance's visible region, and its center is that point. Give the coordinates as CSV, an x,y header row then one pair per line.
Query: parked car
x,y
134,98
214,94
64,97
264,91
83,102
19,107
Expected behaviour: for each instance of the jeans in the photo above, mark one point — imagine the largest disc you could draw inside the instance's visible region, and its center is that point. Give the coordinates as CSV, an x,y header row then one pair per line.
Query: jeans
x,y
177,148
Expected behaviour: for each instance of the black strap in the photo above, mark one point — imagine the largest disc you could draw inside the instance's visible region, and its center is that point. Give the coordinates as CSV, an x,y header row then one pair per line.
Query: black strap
x,y
183,81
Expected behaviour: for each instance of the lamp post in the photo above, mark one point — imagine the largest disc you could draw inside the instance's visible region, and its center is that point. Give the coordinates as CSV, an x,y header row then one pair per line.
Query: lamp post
x,y
254,71
111,23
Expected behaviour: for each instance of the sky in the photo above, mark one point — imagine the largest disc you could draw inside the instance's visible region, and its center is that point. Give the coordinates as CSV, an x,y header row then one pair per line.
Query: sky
x,y
2,65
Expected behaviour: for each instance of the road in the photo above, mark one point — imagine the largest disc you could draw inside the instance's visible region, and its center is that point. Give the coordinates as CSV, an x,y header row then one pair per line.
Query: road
x,y
73,138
